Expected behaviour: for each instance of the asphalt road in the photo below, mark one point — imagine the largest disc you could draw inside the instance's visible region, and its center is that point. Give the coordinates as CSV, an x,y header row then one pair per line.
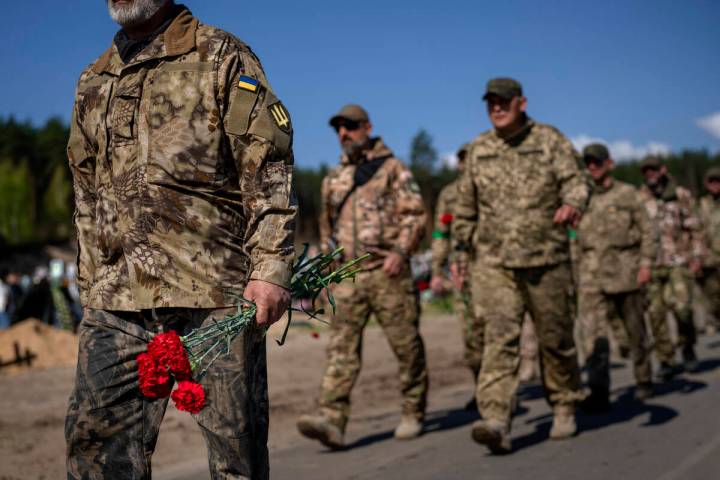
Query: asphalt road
x,y
675,435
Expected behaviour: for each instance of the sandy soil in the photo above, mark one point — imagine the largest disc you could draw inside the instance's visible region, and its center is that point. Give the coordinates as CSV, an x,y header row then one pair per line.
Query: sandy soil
x,y
32,405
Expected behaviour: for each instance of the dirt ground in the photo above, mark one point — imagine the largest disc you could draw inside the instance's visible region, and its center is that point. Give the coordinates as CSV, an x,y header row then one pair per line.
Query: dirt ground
x,y
32,405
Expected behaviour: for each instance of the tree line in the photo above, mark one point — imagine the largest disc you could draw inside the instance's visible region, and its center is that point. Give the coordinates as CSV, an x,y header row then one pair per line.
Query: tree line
x,y
36,198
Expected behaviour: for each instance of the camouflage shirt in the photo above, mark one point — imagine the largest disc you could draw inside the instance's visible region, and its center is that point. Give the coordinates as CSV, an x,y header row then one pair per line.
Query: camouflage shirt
x,y
508,195
676,223
710,218
615,238
383,215
182,167
441,242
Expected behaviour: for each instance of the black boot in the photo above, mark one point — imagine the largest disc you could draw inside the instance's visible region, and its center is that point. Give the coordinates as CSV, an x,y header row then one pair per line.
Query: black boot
x,y
597,402
643,391
667,371
690,361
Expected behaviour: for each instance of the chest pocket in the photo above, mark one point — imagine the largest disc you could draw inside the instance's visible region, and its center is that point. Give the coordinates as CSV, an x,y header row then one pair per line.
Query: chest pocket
x,y
124,111
621,231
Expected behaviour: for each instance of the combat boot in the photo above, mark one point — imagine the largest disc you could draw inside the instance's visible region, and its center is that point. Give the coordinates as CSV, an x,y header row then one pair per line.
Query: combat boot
x,y
320,428
495,435
597,402
667,371
563,425
410,427
690,361
643,391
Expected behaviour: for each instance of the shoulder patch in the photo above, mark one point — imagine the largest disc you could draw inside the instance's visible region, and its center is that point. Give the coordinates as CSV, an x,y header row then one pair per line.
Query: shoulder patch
x,y
280,116
248,83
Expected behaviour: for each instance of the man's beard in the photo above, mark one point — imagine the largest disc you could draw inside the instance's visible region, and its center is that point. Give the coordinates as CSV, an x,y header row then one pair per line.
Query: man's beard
x,y
137,13
354,150
657,186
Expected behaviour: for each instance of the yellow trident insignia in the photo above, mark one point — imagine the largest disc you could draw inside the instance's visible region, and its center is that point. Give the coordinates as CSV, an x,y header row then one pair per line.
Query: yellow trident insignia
x,y
280,116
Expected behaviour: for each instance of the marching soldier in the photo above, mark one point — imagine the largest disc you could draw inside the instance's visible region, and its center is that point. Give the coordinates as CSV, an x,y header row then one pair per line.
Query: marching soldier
x,y
710,218
370,204
617,248
672,211
521,190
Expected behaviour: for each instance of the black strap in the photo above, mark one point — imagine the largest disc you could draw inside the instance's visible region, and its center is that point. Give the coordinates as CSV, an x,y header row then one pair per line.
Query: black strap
x,y
363,173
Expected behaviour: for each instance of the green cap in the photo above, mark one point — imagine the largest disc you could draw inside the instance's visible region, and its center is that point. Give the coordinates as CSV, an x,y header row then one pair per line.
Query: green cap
x,y
504,87
352,112
713,173
598,151
651,161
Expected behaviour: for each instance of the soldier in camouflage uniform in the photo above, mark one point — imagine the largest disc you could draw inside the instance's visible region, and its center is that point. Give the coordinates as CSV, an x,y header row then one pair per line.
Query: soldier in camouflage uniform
x,y
710,218
617,247
182,163
672,211
370,204
521,189
472,331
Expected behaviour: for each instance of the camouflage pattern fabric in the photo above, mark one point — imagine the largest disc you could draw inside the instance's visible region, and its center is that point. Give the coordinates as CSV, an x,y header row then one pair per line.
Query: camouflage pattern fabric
x,y
710,281
472,330
182,168
384,215
670,290
501,297
394,304
508,195
615,238
111,429
677,225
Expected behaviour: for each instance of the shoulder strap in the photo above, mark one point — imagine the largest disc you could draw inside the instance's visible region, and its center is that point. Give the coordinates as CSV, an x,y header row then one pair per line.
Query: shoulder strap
x,y
363,173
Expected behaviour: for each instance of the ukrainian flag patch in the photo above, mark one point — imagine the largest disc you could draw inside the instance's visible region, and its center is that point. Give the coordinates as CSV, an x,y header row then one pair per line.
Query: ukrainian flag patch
x,y
248,83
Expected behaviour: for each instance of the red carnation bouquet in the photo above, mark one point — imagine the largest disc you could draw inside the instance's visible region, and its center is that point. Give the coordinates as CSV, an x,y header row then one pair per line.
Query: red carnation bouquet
x,y
186,359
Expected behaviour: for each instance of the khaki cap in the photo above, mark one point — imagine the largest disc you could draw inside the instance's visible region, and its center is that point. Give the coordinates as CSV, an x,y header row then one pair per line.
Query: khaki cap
x,y
598,151
504,87
352,112
651,161
713,173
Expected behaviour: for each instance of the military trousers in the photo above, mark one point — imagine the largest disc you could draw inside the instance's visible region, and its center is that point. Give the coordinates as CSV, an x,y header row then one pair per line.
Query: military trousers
x,y
111,429
710,282
394,303
597,309
501,297
471,329
670,290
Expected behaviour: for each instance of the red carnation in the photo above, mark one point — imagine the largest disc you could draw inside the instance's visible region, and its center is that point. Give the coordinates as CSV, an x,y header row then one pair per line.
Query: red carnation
x,y
154,380
168,349
189,396
446,218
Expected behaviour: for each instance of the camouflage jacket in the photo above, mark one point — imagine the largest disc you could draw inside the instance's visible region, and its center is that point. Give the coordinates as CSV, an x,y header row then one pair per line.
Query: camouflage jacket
x,y
385,214
441,239
710,218
676,225
615,238
508,195
182,167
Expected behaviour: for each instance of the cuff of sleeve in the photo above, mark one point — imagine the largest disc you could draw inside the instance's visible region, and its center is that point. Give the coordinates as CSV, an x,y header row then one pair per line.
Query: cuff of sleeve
x,y
272,271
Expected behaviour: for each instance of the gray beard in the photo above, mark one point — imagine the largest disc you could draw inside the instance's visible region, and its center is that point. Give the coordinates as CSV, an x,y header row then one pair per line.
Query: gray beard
x,y
139,12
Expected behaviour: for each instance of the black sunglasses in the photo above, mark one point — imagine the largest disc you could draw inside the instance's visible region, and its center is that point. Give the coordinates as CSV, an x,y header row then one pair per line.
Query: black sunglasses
x,y
349,125
593,161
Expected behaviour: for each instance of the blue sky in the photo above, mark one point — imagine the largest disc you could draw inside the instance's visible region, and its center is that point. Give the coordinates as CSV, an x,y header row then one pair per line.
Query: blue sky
x,y
638,74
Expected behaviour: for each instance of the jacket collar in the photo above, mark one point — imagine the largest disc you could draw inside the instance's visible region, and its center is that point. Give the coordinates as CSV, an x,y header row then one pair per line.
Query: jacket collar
x,y
178,39
377,150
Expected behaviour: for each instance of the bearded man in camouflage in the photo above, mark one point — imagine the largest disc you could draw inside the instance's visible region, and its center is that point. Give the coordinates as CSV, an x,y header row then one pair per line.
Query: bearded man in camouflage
x,y
617,247
370,204
680,253
182,162
710,218
521,189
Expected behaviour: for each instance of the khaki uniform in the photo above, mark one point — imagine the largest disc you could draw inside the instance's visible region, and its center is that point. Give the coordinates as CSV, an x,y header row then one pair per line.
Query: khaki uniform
x,y
710,218
384,215
182,168
471,328
615,239
509,193
680,239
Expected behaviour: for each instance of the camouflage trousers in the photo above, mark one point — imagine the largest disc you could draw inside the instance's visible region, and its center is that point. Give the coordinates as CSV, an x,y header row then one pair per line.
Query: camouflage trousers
x,y
111,429
394,303
471,329
597,309
501,297
671,290
710,282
